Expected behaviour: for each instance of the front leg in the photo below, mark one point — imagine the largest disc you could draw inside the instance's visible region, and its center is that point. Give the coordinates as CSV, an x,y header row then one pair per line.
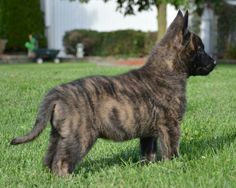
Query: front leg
x,y
174,133
169,142
148,147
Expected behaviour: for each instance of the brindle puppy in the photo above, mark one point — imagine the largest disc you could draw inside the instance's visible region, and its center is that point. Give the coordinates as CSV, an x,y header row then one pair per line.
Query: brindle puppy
x,y
147,103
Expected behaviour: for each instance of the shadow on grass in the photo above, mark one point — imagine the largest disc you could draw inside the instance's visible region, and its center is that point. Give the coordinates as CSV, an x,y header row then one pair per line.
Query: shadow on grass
x,y
193,150
196,148
130,156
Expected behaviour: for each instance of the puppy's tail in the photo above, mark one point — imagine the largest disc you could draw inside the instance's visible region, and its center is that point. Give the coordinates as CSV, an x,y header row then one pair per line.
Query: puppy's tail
x,y
44,115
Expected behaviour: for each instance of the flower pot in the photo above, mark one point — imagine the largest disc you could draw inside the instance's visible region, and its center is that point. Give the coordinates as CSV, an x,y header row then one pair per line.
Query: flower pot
x,y
3,43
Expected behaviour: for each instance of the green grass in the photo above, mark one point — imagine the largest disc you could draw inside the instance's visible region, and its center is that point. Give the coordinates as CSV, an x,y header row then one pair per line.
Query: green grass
x,y
208,145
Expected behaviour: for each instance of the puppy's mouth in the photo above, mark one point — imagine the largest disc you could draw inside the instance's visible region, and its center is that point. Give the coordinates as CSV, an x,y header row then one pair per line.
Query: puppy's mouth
x,y
206,70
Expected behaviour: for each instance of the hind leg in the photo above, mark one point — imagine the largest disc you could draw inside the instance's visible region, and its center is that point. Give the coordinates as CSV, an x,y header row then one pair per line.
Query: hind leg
x,y
70,151
148,147
54,138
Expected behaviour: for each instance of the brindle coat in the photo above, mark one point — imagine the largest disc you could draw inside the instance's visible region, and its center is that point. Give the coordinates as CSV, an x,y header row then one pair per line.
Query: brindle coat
x,y
147,103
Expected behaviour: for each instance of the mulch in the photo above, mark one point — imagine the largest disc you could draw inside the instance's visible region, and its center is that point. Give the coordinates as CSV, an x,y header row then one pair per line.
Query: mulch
x,y
132,62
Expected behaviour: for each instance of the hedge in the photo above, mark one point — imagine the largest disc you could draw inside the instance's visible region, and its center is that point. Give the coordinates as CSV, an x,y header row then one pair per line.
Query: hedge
x,y
115,43
18,19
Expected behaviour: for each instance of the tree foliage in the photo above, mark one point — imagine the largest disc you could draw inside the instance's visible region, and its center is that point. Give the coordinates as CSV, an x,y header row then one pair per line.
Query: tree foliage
x,y
130,7
215,4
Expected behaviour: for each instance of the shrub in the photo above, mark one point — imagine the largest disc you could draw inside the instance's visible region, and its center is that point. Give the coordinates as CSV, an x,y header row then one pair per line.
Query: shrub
x,y
18,19
231,52
87,37
125,42
150,41
115,43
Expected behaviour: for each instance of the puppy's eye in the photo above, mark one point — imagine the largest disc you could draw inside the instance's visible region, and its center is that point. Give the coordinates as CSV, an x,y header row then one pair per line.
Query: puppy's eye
x,y
200,51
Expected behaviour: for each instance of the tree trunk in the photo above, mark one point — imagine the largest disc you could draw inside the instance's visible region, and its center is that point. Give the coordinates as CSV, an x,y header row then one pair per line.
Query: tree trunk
x,y
161,20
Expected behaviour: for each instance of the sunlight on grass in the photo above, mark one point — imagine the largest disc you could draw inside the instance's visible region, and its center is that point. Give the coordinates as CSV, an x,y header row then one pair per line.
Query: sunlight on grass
x,y
208,156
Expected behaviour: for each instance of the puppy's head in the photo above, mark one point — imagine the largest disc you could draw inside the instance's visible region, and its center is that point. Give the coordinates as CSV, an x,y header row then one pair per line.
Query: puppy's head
x,y
199,62
189,47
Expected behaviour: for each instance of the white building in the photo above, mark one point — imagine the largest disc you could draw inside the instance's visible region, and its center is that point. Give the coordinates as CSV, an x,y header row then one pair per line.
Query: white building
x,y
63,15
209,30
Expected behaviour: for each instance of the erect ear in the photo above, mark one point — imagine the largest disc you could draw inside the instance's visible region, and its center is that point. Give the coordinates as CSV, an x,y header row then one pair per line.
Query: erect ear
x,y
178,18
177,23
185,25
177,29
179,13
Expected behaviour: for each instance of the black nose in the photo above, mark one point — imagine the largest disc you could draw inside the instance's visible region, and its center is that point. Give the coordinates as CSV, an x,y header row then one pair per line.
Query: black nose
x,y
212,60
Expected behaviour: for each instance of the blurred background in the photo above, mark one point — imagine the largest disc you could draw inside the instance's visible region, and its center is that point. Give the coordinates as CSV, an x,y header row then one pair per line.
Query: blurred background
x,y
127,28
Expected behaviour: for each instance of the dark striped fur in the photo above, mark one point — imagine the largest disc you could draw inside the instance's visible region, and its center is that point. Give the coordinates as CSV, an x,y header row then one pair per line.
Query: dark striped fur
x,y
147,103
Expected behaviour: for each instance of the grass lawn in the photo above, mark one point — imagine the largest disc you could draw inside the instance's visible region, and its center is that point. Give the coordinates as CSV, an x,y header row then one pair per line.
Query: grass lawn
x,y
208,145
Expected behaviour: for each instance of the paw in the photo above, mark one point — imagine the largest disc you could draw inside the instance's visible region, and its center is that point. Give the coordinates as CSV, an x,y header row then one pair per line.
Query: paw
x,y
149,158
